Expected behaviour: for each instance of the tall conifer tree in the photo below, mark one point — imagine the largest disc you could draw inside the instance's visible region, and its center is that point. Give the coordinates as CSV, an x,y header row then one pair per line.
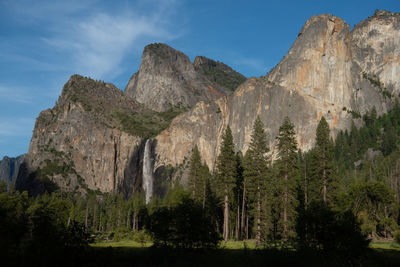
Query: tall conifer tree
x,y
322,184
288,172
195,174
255,172
226,174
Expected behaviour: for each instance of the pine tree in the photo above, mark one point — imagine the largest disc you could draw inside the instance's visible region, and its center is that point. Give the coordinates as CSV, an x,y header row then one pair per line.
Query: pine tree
x,y
323,181
195,174
288,172
255,172
226,173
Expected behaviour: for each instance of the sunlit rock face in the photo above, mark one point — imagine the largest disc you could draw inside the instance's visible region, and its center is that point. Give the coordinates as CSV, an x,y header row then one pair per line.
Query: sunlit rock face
x,y
83,144
168,78
327,72
79,146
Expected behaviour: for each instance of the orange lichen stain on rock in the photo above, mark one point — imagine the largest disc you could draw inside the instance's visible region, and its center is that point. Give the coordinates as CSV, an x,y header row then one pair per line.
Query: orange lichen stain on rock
x,y
76,140
316,89
335,121
302,73
388,57
338,24
214,91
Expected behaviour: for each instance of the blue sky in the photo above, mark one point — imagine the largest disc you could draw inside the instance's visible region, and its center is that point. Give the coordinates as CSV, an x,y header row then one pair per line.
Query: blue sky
x,y
42,43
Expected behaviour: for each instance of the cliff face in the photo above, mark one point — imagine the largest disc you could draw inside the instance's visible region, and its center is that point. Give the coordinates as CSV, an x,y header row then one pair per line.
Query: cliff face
x,y
9,168
94,138
167,78
80,144
329,71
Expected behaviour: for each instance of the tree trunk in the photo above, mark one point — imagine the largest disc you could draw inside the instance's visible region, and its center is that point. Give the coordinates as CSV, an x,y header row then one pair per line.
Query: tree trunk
x,y
94,215
237,229
128,218
285,204
305,185
242,225
324,178
247,226
258,237
86,215
204,195
100,221
226,215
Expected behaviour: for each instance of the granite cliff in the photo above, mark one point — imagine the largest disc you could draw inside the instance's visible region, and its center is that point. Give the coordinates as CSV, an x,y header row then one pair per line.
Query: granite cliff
x,y
329,71
95,137
167,78
96,134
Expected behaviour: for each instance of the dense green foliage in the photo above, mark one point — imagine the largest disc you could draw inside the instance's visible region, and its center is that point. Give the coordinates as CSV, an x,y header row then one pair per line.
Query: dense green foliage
x,y
334,198
184,225
255,171
225,176
230,80
38,231
147,123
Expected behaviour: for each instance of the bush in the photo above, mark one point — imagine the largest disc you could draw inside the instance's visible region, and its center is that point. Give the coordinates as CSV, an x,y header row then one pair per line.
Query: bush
x,y
321,228
142,237
185,225
396,236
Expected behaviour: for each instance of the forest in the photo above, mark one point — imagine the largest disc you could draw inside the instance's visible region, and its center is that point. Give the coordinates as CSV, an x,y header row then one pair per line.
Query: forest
x,y
335,198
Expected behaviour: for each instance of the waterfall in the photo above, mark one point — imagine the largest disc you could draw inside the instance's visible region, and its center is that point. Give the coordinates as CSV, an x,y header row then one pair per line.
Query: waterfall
x,y
147,172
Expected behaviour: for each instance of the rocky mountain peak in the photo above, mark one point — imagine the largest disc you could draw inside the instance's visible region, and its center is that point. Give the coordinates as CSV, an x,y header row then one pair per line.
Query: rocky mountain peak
x,y
167,78
218,73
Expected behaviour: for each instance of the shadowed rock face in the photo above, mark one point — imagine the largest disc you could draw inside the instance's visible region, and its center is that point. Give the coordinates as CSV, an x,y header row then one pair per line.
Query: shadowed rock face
x,y
167,78
9,168
328,71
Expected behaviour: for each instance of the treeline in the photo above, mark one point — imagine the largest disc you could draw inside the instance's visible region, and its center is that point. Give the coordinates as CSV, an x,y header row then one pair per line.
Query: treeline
x,y
354,181
335,196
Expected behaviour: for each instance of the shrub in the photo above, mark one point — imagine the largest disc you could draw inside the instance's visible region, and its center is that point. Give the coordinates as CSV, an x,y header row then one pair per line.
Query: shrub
x,y
322,228
396,236
185,225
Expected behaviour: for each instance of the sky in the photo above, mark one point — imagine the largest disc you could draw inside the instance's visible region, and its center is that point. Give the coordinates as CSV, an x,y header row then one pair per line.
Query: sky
x,y
42,43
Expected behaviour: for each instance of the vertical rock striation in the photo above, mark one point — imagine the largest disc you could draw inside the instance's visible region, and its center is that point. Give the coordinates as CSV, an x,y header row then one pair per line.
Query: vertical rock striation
x,y
329,71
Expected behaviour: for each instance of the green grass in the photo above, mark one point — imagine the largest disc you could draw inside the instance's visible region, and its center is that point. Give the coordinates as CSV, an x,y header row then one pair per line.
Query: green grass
x,y
249,244
120,244
385,245
231,253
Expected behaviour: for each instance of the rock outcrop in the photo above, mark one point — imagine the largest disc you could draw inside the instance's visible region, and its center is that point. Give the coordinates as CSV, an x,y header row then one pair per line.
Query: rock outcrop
x,y
167,78
84,142
95,136
9,168
329,71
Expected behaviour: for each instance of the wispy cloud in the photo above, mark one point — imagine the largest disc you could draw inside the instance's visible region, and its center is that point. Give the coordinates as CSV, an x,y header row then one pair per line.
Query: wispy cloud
x,y
92,38
16,95
97,45
19,126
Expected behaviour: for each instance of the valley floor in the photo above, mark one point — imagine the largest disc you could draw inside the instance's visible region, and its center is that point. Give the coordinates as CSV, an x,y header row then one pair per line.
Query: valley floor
x,y
232,253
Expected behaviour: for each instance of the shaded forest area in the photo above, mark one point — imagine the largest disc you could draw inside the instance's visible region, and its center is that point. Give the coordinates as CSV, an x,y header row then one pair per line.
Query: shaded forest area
x,y
332,200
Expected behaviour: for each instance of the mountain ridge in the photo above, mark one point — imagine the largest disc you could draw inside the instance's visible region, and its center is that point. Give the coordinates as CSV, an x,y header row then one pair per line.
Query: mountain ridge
x,y
329,71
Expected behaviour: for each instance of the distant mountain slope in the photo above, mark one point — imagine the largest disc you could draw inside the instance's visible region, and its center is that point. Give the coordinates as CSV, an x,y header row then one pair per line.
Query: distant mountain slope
x,y
9,168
